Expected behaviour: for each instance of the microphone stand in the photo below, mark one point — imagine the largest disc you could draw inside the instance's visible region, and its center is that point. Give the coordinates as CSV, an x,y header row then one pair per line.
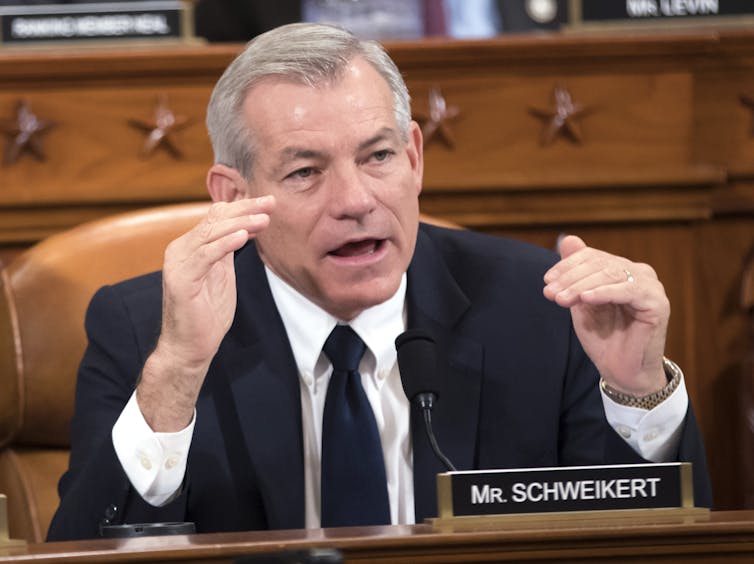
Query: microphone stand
x,y
426,402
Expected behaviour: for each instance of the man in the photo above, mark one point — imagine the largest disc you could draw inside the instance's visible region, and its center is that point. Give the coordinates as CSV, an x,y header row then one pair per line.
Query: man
x,y
219,359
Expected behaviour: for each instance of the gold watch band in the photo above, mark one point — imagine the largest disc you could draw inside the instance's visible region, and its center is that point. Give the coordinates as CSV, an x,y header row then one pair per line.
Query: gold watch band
x,y
650,401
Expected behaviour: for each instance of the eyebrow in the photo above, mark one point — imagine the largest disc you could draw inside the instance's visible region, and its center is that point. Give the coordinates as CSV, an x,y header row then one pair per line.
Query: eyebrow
x,y
293,153
383,134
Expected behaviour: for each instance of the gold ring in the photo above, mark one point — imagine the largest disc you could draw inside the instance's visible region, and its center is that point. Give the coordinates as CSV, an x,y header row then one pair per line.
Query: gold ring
x,y
629,276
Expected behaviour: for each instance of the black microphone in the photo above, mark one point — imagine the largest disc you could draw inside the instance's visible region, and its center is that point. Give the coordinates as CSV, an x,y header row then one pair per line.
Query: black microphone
x,y
417,362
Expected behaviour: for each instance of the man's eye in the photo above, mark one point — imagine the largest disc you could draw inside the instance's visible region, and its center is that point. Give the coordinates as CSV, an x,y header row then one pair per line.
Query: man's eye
x,y
305,172
381,155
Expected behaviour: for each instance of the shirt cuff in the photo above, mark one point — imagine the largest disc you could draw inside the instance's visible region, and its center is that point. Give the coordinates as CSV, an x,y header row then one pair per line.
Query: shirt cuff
x,y
155,463
656,433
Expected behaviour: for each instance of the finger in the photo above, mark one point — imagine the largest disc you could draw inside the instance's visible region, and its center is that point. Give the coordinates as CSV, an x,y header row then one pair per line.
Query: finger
x,y
647,299
617,294
217,221
193,266
182,248
623,291
594,270
194,253
207,255
649,303
222,219
211,230
573,251
244,206
569,245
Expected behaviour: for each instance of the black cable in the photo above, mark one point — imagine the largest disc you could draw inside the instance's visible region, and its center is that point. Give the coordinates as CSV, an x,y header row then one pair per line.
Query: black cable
x,y
433,442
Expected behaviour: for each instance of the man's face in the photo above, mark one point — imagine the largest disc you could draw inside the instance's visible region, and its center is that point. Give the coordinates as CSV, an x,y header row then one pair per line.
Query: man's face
x,y
346,187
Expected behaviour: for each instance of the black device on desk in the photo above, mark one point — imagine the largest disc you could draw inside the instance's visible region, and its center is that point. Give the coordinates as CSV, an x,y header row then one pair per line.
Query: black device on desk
x,y
310,556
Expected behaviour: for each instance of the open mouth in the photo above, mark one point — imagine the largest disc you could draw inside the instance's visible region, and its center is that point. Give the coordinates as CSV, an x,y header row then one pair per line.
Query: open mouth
x,y
358,248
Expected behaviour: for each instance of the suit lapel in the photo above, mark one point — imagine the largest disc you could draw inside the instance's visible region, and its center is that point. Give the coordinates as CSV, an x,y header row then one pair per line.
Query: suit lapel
x,y
256,361
437,304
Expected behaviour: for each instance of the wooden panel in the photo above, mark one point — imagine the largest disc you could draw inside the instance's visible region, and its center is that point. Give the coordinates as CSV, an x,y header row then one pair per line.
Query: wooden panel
x,y
94,155
721,349
488,210
724,127
94,164
637,125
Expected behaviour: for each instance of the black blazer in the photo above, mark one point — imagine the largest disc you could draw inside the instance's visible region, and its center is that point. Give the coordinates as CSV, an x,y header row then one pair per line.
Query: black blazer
x,y
516,390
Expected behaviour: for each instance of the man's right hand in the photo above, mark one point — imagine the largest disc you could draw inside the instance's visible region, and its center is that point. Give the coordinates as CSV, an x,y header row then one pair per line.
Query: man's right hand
x,y
198,306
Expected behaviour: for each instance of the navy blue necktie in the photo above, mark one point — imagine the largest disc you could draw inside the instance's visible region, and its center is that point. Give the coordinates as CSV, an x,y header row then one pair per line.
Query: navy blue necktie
x,y
354,487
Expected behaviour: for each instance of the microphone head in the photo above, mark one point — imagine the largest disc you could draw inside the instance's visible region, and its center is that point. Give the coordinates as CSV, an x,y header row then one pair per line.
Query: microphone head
x,y
417,362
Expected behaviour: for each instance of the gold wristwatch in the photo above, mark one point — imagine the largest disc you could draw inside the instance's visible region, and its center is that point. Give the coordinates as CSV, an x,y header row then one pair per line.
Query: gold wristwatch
x,y
650,401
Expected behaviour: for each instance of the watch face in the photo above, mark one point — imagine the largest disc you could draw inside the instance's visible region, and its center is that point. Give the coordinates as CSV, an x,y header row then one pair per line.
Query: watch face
x,y
542,11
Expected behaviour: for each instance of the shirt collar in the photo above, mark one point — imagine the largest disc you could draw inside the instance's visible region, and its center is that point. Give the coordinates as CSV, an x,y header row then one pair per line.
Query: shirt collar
x,y
308,325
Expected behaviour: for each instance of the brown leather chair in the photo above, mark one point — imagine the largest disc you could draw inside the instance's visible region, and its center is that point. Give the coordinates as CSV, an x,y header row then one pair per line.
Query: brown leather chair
x,y
44,293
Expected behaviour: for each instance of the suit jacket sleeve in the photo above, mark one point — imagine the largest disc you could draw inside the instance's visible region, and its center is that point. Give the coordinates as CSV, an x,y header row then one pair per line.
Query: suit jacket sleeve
x,y
95,490
573,442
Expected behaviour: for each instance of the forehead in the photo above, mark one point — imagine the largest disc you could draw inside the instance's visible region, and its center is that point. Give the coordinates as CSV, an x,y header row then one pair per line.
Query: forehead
x,y
280,106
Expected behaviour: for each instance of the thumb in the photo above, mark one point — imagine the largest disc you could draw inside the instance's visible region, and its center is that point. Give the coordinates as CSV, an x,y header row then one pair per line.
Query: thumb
x,y
569,245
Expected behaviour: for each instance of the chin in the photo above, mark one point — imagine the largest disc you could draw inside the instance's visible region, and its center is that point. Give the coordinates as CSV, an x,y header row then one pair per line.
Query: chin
x,y
351,303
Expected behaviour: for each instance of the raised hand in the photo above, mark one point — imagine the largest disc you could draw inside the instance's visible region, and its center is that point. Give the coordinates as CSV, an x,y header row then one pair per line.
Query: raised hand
x,y
199,302
620,313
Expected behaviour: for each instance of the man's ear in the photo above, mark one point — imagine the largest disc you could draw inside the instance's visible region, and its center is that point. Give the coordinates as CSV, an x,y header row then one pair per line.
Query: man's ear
x,y
225,184
416,154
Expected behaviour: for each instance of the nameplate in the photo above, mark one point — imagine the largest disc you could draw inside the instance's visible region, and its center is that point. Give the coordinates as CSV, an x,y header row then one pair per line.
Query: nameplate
x,y
47,23
564,489
666,12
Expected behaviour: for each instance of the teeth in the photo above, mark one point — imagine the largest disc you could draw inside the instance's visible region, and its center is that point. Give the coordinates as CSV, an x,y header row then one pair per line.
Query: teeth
x,y
358,248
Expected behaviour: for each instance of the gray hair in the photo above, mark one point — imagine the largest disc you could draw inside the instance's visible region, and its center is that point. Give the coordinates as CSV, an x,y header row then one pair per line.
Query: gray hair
x,y
304,53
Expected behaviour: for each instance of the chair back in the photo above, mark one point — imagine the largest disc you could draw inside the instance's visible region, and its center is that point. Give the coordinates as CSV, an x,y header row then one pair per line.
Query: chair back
x,y
44,293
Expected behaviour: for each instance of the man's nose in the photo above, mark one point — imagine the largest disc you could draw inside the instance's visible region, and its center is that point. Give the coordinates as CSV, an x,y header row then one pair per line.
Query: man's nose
x,y
351,192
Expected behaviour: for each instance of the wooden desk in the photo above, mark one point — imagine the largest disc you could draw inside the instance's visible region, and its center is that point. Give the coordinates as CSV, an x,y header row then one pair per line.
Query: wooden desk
x,y
718,537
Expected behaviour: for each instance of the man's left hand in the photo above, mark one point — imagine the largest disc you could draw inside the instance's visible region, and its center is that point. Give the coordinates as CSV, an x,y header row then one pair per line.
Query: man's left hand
x,y
620,313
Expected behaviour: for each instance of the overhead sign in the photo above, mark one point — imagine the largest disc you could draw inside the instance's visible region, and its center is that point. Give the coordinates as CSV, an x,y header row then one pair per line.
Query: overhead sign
x,y
586,12
95,21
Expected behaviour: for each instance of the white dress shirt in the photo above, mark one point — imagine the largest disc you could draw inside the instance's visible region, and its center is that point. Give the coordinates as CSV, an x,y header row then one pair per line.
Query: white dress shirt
x,y
155,463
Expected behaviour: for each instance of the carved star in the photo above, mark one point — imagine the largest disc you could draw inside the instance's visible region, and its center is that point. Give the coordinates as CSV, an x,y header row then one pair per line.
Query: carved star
x,y
160,131
436,120
749,103
563,119
25,134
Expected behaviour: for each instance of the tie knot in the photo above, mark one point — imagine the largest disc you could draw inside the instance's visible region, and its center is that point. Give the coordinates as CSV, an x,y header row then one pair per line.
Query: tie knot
x,y
344,348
